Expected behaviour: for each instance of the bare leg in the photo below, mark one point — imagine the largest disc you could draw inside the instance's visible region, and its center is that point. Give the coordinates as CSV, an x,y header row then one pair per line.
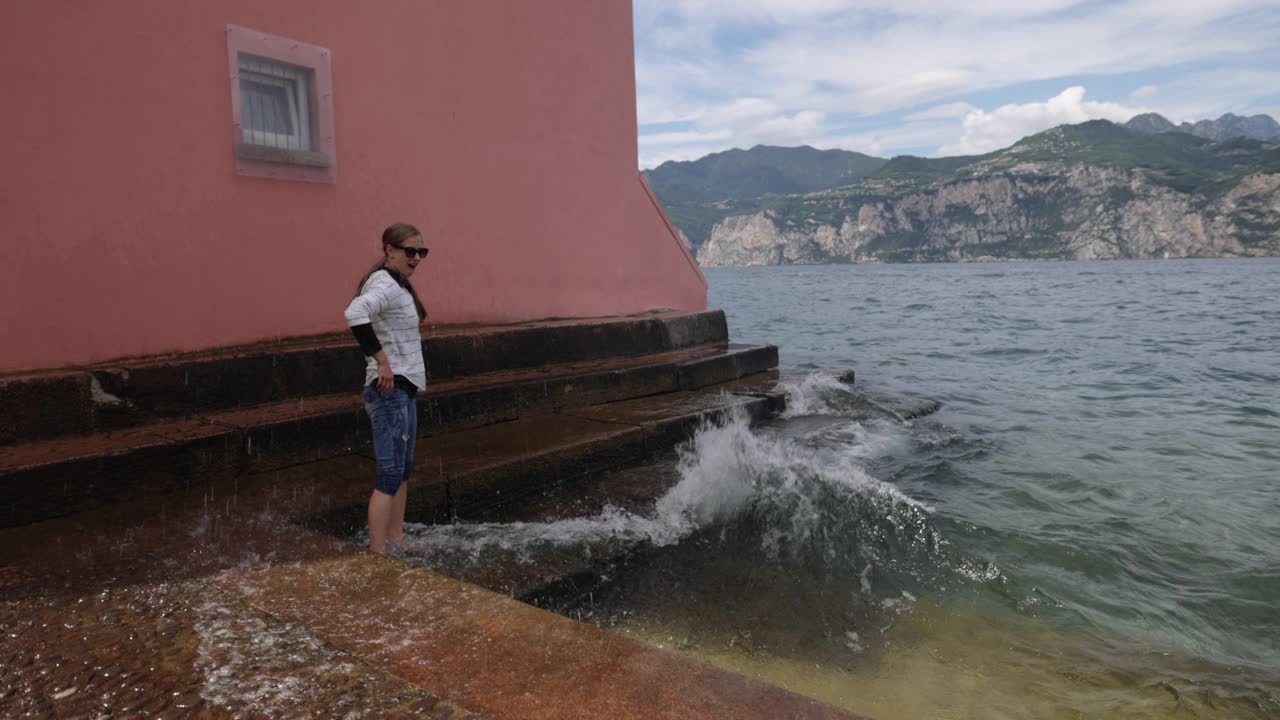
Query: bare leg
x,y
380,506
395,523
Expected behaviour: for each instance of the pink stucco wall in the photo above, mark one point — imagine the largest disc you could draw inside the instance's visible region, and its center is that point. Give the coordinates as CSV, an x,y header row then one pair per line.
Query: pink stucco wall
x,y
505,129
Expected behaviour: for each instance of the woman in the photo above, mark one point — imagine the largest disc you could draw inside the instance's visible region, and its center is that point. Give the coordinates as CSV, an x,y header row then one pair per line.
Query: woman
x,y
384,316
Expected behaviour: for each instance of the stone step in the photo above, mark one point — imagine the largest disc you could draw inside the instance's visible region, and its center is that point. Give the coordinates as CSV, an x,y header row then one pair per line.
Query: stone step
x,y
476,474
480,649
480,468
78,472
125,393
496,655
542,571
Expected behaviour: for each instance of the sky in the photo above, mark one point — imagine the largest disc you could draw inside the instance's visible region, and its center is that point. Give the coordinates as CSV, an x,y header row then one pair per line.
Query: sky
x,y
938,77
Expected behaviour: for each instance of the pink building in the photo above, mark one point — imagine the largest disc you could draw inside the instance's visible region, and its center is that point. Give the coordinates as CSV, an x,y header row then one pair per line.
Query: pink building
x,y
186,175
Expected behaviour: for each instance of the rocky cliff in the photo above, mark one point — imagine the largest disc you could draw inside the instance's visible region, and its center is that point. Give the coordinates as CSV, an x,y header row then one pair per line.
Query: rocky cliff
x,y
1092,190
1028,211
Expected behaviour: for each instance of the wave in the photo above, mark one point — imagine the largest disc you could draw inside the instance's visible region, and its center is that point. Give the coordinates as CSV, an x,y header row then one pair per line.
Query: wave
x,y
795,494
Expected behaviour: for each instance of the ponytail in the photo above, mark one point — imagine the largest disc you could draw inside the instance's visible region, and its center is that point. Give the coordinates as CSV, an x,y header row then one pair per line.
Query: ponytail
x,y
365,278
395,236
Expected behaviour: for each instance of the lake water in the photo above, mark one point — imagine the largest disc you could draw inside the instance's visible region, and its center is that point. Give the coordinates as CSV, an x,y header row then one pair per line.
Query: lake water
x,y
1087,526
1107,451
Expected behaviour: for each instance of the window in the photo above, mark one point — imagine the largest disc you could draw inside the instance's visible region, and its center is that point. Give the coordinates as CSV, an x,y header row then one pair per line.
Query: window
x,y
275,104
281,107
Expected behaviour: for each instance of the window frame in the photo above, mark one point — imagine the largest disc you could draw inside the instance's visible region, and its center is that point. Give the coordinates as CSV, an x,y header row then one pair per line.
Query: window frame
x,y
314,160
296,80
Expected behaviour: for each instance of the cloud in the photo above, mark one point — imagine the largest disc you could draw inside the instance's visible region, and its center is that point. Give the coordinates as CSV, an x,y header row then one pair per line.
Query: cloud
x,y
781,10
1210,93
888,141
743,121
820,71
878,56
1145,91
914,60
938,112
1002,127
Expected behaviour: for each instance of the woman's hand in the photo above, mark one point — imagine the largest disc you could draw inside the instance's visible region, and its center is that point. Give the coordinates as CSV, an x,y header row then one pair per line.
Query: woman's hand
x,y
386,381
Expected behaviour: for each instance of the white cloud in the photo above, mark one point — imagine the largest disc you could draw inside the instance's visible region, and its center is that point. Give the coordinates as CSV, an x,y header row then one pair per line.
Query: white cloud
x,y
1143,92
1002,127
722,10
1209,94
939,112
886,142
743,122
757,120
878,56
914,60
739,112
817,71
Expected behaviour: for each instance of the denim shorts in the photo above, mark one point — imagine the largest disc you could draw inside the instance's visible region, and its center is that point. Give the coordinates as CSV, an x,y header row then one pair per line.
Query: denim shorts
x,y
394,416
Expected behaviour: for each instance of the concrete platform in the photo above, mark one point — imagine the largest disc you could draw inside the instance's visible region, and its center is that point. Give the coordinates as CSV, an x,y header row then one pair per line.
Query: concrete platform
x,y
146,605
501,656
47,478
190,568
136,391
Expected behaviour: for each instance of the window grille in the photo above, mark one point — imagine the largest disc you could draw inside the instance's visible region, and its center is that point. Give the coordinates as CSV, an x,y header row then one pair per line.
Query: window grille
x,y
281,107
275,104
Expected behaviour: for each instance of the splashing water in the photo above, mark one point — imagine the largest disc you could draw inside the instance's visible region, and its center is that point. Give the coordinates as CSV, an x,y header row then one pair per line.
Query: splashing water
x,y
777,551
795,495
786,513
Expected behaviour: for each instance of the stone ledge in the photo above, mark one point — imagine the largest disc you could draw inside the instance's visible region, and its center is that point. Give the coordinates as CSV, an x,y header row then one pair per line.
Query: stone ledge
x,y
41,404
280,434
456,642
737,361
500,656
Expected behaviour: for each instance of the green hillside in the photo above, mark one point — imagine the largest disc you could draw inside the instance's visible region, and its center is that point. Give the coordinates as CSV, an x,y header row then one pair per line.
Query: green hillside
x,y
804,186
1182,162
700,193
737,175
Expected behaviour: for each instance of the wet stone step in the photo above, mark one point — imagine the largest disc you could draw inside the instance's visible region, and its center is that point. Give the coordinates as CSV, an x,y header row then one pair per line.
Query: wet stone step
x,y
477,475
81,472
47,403
571,535
305,622
735,362
184,649
499,656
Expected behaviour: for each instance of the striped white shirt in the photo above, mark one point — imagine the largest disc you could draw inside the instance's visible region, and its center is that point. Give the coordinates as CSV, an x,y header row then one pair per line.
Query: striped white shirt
x,y
390,309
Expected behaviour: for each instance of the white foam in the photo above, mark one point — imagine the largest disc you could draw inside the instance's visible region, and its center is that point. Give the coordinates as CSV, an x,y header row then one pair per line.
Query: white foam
x,y
725,470
246,662
816,394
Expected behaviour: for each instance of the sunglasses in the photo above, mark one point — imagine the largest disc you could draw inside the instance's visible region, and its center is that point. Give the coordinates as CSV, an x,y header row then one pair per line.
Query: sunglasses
x,y
410,252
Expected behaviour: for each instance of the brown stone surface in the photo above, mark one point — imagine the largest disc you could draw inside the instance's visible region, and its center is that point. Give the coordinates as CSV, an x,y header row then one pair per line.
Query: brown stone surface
x,y
184,649
527,572
45,403
500,656
66,475
44,406
81,471
666,419
118,603
762,385
497,465
212,594
735,362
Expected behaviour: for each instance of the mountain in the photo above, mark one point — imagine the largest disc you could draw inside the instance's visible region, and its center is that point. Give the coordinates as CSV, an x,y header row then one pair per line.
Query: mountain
x,y
700,193
1092,190
1256,127
762,170
1151,123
